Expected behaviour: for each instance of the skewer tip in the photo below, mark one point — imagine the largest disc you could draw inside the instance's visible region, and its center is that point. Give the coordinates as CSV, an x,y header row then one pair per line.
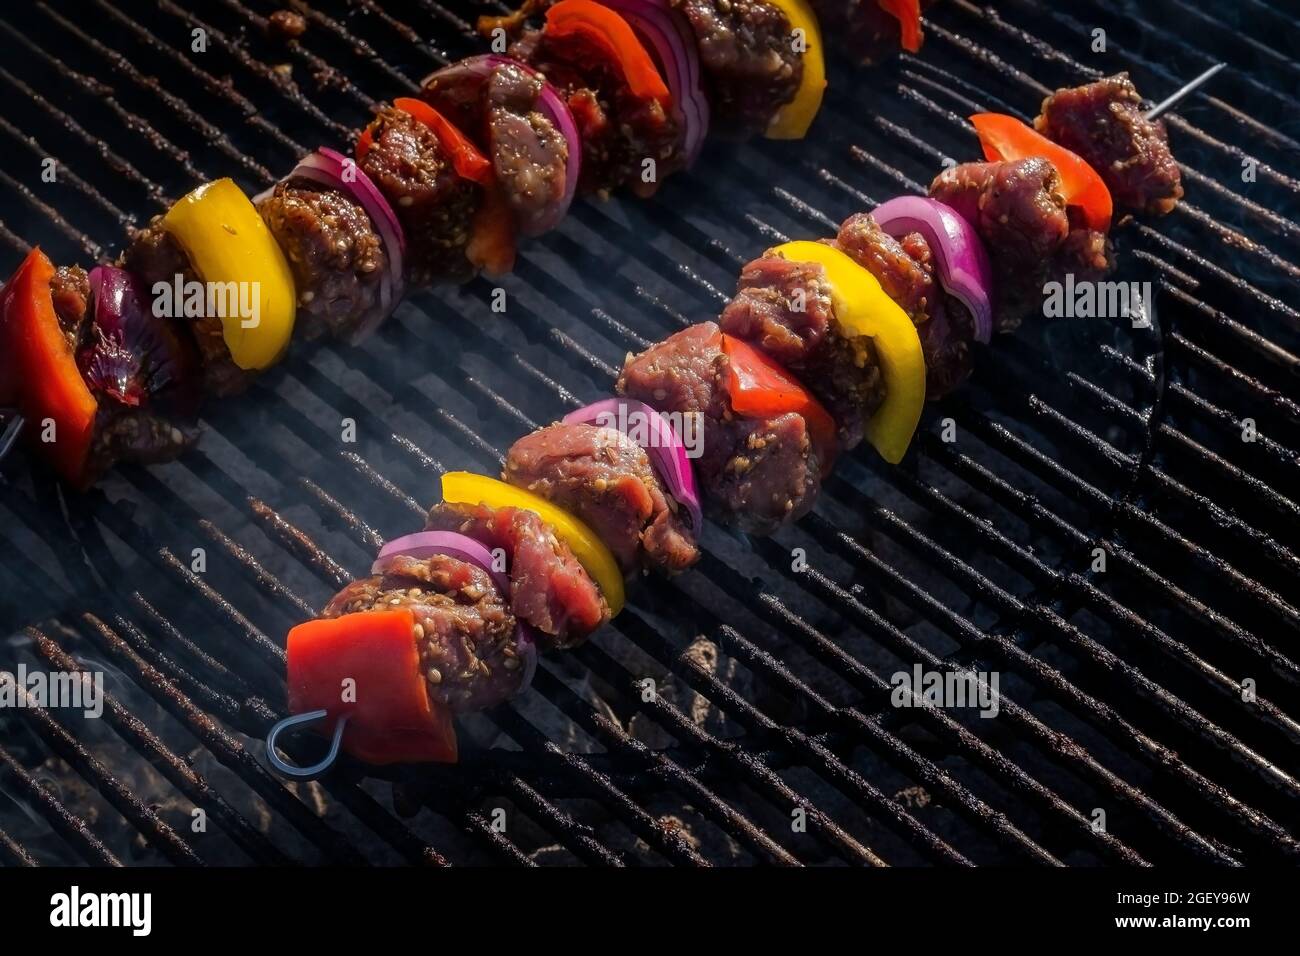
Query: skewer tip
x,y
1185,90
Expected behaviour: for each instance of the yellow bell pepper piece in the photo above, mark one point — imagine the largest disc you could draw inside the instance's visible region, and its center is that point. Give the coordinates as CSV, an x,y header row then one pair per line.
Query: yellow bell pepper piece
x,y
863,308
795,117
227,241
465,488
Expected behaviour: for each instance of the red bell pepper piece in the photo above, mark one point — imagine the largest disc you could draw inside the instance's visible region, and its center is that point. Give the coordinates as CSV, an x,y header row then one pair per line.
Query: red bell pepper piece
x,y
605,27
908,15
367,665
760,388
468,162
1006,138
41,369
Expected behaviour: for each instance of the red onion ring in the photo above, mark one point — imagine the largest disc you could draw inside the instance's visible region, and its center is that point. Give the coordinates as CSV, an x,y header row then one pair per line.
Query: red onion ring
x,y
426,544
130,354
554,107
963,263
330,168
673,44
664,446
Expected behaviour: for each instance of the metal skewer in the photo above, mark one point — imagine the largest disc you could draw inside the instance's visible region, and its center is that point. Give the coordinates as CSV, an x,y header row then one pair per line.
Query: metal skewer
x,y
1164,105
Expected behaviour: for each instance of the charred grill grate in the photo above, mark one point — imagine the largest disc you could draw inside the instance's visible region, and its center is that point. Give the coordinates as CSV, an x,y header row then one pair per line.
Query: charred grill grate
x,y
1121,690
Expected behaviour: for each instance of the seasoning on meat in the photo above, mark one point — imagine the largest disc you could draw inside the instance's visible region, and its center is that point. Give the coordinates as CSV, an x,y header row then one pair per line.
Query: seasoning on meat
x,y
619,130
337,258
1018,210
433,203
499,112
749,61
154,256
1104,122
549,588
605,479
464,630
758,473
785,309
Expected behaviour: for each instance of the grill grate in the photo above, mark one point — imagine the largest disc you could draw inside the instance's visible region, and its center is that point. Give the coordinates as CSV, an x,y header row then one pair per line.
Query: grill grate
x,y
1121,690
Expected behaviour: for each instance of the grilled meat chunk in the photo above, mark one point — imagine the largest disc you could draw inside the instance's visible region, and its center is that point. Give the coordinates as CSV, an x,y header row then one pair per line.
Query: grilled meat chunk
x,y
499,112
337,258
146,417
154,256
433,203
785,309
549,588
70,291
464,630
862,28
1018,210
948,343
1085,252
605,479
619,130
750,66
1105,124
905,269
757,473
903,278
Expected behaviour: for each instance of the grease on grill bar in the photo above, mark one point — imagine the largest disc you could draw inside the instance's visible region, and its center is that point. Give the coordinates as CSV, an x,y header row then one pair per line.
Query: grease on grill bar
x,y
1122,688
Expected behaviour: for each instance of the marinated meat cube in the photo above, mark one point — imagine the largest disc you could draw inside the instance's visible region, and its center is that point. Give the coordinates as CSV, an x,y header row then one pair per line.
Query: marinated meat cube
x,y
907,281
70,291
549,587
765,472
946,328
154,256
747,53
947,342
499,112
464,631
1086,253
1018,210
337,258
605,479
1104,122
861,28
619,130
756,473
141,436
433,203
785,309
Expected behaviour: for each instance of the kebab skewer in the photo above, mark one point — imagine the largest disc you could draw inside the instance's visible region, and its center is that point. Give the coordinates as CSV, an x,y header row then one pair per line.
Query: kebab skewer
x,y
110,365
824,345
